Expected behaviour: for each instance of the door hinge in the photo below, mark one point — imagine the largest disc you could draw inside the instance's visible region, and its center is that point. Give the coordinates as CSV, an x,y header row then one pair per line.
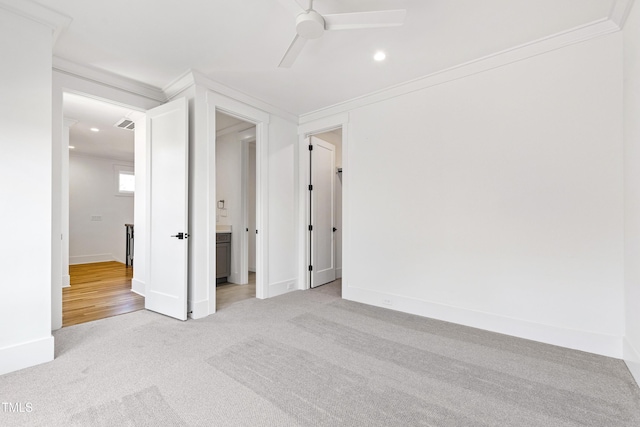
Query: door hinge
x,y
310,187
311,268
311,228
310,147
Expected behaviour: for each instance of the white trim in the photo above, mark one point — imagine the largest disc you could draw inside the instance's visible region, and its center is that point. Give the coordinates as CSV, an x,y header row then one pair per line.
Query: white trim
x,y
302,168
102,77
338,273
262,210
198,309
476,66
181,83
90,259
620,11
606,345
323,124
40,14
632,359
283,287
240,127
243,274
138,286
240,97
235,108
66,281
26,354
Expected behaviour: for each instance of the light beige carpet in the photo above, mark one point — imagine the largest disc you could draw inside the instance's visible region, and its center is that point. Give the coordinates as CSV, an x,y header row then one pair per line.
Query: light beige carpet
x,y
309,358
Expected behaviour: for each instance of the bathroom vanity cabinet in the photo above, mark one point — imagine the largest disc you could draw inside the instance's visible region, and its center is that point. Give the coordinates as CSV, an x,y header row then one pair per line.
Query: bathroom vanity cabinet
x,y
223,257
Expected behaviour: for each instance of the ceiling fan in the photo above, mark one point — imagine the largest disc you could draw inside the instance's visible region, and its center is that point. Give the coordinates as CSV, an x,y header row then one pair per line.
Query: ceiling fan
x,y
311,25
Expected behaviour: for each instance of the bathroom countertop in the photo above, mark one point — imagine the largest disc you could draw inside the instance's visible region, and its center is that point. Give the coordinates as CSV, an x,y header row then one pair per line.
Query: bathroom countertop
x,y
223,229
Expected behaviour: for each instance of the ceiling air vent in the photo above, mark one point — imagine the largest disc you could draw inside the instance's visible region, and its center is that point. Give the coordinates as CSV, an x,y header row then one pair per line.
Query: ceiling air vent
x,y
125,124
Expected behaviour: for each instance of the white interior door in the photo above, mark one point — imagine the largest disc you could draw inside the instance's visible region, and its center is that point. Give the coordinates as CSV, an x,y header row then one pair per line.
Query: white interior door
x,y
167,150
323,173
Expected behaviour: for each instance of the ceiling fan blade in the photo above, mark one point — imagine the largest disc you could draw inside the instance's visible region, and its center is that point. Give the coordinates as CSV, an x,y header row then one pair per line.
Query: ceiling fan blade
x,y
360,20
292,53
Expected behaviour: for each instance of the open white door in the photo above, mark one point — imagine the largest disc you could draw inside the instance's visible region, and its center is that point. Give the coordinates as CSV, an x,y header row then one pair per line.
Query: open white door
x,y
321,189
167,154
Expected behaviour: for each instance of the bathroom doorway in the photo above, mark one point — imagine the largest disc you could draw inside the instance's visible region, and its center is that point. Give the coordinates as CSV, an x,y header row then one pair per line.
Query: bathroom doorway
x,y
235,210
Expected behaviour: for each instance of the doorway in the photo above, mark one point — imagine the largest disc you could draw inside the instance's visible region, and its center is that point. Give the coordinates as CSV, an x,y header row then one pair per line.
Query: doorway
x,y
236,205
325,207
98,194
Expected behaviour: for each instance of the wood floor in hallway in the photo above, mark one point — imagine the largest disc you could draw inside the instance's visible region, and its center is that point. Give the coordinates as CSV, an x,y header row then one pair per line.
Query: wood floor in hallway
x,y
97,291
229,293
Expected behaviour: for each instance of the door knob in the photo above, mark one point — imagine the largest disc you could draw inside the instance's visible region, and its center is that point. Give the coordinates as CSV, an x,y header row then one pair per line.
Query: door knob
x,y
181,236
335,229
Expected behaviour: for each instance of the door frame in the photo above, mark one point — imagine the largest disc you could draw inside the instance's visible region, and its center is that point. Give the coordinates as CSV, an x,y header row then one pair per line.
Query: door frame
x,y
244,194
63,82
316,276
260,119
306,130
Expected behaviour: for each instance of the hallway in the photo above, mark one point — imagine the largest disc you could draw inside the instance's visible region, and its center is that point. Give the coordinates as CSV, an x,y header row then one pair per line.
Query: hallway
x,y
98,291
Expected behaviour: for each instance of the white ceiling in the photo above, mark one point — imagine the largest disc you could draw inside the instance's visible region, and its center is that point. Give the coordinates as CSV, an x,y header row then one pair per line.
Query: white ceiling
x,y
110,141
239,43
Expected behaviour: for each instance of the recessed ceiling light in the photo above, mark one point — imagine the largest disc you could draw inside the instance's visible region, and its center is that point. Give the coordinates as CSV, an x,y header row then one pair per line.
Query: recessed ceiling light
x,y
94,130
380,56
71,147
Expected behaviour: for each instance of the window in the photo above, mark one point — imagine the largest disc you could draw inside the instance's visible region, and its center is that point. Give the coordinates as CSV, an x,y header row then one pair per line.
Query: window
x,y
125,180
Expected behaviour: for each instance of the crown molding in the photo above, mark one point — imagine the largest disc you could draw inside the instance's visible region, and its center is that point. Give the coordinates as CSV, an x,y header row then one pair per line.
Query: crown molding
x,y
179,85
104,77
193,77
242,97
40,14
620,10
499,59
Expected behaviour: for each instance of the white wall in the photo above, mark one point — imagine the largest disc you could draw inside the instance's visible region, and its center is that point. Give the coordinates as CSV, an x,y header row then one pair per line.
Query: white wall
x,y
26,182
283,206
139,280
632,189
92,192
496,200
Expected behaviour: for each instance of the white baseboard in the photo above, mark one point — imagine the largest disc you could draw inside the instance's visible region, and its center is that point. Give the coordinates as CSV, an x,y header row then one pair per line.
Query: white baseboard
x,y
283,287
90,259
138,287
26,354
66,281
338,273
198,309
606,345
632,359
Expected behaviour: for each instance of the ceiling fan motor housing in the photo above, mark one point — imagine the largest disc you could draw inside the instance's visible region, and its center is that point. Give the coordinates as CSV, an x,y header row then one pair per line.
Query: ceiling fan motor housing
x,y
310,25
